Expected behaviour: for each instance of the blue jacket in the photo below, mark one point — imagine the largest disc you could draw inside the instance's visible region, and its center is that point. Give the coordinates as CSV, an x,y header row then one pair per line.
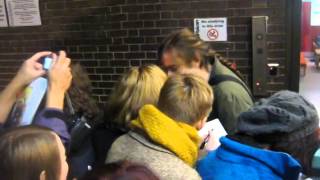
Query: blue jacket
x,y
235,160
54,119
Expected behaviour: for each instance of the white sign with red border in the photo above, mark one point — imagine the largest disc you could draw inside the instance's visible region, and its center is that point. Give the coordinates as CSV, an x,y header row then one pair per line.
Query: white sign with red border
x,y
211,29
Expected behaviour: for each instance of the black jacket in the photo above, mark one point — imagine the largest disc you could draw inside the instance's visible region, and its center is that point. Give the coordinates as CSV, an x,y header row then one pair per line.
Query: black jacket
x,y
102,138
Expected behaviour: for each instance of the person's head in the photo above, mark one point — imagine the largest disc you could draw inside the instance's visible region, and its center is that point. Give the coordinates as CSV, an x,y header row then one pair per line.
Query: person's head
x,y
186,98
184,52
30,153
120,171
284,122
137,87
80,93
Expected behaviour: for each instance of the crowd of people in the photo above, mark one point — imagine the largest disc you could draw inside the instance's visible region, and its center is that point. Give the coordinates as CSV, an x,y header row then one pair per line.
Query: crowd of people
x,y
149,129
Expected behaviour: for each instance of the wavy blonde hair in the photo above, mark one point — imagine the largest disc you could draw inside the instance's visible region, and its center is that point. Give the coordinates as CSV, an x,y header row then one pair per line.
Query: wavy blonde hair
x,y
139,86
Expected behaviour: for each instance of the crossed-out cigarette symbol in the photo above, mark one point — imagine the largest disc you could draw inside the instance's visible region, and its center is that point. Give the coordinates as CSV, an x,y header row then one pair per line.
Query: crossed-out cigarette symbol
x,y
213,34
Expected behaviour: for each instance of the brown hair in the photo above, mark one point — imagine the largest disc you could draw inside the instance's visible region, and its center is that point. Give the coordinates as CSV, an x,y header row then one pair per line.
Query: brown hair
x,y
139,86
186,98
27,151
120,171
188,46
80,93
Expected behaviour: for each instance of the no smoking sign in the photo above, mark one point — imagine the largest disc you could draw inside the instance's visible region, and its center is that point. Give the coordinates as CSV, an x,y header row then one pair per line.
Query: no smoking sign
x,y
213,34
211,29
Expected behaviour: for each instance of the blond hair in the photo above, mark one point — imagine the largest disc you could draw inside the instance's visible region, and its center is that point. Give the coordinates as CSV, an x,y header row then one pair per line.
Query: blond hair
x,y
139,86
186,98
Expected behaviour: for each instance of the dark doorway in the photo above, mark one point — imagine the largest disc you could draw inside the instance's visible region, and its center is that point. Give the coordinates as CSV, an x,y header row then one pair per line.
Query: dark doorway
x,y
293,38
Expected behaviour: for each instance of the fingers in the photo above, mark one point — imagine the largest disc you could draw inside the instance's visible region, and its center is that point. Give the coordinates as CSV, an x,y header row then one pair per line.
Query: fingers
x,y
54,63
54,56
38,66
62,55
54,59
60,61
40,71
39,55
67,62
63,60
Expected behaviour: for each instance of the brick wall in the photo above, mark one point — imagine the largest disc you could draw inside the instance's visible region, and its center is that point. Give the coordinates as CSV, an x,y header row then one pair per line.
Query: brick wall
x,y
108,36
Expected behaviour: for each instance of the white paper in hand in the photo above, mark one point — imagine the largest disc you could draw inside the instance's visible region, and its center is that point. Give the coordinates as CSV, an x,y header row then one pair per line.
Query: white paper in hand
x,y
211,133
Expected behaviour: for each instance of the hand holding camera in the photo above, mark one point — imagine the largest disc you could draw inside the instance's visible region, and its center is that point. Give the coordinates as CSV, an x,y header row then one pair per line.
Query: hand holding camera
x,y
59,80
31,69
60,72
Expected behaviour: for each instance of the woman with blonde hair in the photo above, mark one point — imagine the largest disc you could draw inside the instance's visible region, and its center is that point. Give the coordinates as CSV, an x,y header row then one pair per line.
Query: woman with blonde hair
x,y
137,87
164,137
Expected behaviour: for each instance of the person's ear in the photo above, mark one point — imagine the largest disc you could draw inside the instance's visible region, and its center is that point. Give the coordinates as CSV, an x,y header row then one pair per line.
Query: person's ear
x,y
42,175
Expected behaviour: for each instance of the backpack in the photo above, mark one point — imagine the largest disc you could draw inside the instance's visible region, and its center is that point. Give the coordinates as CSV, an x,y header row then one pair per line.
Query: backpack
x,y
216,80
80,154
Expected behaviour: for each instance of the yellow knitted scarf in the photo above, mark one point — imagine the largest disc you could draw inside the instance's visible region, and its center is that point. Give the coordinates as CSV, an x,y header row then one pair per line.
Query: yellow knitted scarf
x,y
180,138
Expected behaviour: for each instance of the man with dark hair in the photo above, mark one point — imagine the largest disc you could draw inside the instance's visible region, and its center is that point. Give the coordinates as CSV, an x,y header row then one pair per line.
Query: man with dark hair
x,y
183,52
266,134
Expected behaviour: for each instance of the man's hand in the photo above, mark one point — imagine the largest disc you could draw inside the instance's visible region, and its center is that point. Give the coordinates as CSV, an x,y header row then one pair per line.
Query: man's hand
x,y
31,69
59,80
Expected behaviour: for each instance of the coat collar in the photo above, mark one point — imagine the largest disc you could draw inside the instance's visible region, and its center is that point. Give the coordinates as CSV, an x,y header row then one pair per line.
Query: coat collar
x,y
146,142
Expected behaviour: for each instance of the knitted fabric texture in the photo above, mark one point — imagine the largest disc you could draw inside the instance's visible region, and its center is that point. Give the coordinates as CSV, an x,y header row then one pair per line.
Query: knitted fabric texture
x,y
285,112
180,138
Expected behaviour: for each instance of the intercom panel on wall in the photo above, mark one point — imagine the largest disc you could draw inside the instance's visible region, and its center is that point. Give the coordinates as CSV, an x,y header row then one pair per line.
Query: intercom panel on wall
x,y
259,55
